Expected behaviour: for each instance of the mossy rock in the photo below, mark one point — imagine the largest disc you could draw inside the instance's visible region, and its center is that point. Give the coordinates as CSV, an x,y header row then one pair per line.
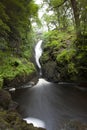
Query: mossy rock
x,y
5,99
75,125
12,66
1,81
4,125
11,120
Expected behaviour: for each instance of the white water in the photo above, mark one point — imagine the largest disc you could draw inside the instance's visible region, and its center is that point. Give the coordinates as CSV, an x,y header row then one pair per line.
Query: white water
x,y
36,122
38,53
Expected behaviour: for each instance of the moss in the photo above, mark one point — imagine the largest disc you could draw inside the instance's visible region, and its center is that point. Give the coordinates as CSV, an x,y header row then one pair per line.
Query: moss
x,y
4,125
45,57
5,99
66,55
74,125
15,66
69,54
10,120
1,81
12,66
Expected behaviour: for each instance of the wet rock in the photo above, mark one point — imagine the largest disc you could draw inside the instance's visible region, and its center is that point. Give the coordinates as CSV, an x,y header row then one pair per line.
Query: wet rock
x,y
74,125
13,106
10,119
20,81
5,99
49,71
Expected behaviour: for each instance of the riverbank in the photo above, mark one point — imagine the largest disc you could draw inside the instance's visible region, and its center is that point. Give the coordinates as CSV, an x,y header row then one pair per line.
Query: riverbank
x,y
9,117
16,71
58,107
64,57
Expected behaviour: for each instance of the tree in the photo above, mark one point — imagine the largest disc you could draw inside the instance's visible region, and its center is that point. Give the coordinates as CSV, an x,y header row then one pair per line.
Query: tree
x,y
15,20
75,8
64,7
4,28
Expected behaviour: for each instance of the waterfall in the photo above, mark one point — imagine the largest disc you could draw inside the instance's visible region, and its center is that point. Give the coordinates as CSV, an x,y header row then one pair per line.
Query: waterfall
x,y
38,53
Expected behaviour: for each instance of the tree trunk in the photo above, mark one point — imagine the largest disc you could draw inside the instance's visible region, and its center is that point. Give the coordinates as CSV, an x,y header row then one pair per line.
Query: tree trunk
x,y
76,17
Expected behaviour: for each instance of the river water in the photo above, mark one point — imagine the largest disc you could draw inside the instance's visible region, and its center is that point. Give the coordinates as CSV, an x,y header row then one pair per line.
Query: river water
x,y
49,105
52,104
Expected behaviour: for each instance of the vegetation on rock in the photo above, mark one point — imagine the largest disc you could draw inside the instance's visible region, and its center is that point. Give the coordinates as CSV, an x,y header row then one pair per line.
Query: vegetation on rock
x,y
9,118
65,43
70,61
16,38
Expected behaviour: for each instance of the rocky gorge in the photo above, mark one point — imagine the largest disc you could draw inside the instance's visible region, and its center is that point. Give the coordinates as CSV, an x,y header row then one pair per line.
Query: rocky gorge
x,y
61,61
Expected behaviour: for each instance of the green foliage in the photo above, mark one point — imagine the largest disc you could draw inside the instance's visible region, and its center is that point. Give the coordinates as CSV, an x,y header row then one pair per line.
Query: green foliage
x,y
57,39
66,39
69,53
33,8
60,47
4,28
12,66
56,2
72,68
15,21
16,37
66,55
1,81
8,118
68,13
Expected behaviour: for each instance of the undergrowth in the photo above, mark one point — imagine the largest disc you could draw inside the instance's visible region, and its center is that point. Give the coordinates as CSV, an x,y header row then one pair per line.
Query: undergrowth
x,y
12,66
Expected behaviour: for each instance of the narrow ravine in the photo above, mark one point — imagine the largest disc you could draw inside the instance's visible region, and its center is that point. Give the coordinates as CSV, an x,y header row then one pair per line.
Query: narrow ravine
x,y
49,105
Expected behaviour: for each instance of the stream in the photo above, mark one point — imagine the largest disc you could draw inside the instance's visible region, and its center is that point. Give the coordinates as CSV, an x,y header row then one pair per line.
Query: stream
x,y
49,105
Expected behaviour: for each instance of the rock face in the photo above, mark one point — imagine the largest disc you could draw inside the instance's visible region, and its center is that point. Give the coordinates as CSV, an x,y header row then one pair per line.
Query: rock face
x,y
55,71
74,125
9,117
50,72
18,81
63,57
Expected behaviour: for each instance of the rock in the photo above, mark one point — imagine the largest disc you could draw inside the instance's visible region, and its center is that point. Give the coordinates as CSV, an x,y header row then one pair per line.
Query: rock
x,y
5,99
10,119
49,71
13,106
20,81
74,125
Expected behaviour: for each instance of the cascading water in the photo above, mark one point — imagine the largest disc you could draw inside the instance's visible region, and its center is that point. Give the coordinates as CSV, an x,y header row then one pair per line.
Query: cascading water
x,y
38,53
49,105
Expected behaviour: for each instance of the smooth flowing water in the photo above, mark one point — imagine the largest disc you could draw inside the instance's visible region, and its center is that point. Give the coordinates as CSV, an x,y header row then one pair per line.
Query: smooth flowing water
x,y
49,105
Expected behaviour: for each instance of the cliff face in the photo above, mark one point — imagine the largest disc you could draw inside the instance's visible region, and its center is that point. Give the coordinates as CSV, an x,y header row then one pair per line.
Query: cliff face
x,y
16,71
62,59
54,71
